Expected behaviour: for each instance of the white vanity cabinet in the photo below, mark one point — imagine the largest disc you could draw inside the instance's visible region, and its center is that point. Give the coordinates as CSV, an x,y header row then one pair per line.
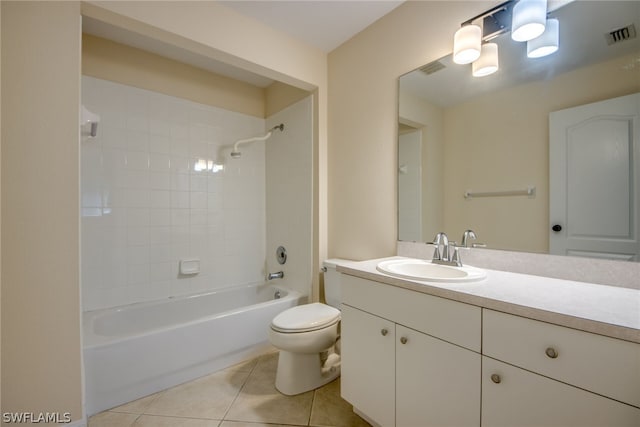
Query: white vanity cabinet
x,y
407,357
539,374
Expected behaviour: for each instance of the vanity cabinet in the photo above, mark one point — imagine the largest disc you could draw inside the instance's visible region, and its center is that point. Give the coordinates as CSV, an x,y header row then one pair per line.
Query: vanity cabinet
x,y
400,375
539,374
413,359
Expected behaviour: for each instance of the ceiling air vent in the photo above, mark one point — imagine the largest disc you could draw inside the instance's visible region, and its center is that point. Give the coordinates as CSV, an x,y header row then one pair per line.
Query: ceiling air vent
x,y
621,34
432,67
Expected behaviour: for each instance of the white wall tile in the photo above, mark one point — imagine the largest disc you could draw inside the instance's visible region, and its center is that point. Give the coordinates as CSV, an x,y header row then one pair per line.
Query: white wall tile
x,y
146,206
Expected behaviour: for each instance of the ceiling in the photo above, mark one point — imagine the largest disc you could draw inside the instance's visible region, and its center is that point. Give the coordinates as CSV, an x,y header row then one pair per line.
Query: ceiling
x,y
324,24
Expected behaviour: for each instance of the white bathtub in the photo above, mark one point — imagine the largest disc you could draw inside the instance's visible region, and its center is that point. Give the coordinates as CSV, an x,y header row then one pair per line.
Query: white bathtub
x,y
139,349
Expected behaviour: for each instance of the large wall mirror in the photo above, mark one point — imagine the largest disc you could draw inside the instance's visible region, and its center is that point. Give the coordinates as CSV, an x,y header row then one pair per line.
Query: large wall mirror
x,y
539,156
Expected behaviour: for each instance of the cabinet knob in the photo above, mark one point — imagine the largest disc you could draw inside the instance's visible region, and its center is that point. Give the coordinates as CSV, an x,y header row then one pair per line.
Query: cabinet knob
x,y
403,340
496,378
384,332
551,352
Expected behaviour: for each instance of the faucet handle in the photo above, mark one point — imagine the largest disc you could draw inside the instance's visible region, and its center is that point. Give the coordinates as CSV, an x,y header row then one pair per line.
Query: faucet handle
x,y
456,257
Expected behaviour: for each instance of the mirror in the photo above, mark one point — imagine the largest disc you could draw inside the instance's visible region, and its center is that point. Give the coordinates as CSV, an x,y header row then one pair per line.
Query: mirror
x,y
488,137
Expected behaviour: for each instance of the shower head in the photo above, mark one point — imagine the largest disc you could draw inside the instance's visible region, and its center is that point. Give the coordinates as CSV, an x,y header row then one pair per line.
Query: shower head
x,y
236,154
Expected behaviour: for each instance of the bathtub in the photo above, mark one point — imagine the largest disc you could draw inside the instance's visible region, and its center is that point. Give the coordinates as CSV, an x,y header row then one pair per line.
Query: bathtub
x,y
139,349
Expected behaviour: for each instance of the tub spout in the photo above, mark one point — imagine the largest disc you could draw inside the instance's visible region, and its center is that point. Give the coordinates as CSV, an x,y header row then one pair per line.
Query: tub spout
x,y
277,275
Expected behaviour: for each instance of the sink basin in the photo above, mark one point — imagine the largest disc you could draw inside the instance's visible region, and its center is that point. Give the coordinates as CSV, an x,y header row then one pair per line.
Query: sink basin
x,y
417,269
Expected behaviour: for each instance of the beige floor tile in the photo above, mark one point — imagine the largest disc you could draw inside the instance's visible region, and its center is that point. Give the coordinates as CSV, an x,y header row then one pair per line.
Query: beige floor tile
x,y
137,406
156,421
112,419
247,365
329,409
207,397
259,401
245,424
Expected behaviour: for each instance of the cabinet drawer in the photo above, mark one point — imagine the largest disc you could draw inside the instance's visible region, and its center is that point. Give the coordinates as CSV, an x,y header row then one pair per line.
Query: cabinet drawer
x,y
451,321
604,365
513,397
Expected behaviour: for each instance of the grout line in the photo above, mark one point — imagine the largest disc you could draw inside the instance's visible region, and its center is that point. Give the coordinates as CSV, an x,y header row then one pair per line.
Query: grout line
x,y
313,401
224,417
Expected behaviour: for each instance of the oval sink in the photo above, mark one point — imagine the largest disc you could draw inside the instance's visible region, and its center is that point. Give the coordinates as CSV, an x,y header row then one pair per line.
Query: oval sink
x,y
417,269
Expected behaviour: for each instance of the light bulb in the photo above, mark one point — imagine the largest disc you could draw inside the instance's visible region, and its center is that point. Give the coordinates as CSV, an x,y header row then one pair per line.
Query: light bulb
x,y
488,61
529,19
547,43
466,44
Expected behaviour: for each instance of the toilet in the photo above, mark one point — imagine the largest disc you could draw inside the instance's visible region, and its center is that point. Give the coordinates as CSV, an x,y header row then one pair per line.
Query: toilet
x,y
308,339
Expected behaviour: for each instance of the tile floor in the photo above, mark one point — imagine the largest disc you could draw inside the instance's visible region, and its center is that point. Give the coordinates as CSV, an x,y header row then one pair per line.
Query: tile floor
x,y
243,395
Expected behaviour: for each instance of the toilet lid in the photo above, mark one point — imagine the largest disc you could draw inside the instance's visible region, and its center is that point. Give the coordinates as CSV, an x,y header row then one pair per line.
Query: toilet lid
x,y
304,318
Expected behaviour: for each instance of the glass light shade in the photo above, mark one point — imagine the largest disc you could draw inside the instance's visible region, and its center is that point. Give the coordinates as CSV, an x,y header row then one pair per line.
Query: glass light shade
x,y
547,43
466,44
529,19
488,61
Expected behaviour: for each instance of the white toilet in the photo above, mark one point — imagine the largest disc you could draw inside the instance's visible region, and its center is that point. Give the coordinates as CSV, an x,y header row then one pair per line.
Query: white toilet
x,y
308,339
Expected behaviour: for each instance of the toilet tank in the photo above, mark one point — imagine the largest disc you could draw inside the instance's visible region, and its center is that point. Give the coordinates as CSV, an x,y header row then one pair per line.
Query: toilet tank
x,y
332,287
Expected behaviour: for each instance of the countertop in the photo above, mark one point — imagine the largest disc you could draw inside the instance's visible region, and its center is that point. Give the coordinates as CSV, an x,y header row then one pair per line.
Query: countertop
x,y
601,309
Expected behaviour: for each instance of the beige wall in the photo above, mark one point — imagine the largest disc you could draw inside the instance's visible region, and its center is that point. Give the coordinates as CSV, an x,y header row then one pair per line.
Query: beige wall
x,y
363,116
515,153
280,96
112,61
41,354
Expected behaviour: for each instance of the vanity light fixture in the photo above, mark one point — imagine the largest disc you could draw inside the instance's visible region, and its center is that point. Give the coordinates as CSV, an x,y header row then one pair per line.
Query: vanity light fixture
x,y
525,19
529,19
467,44
547,43
488,61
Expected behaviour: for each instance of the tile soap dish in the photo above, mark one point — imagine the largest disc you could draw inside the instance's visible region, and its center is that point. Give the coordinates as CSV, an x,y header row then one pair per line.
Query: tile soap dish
x,y
190,266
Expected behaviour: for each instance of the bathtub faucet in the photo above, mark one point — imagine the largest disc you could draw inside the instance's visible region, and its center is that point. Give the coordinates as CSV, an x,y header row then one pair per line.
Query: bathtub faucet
x,y
278,275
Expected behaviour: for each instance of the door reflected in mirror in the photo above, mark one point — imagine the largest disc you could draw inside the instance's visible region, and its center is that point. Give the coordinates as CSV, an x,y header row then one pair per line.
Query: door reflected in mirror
x,y
491,135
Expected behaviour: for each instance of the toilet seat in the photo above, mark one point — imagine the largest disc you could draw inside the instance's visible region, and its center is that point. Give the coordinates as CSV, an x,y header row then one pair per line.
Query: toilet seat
x,y
305,318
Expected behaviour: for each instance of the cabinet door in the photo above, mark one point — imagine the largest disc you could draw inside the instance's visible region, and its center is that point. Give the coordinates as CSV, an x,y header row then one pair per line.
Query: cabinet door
x,y
368,364
514,397
437,383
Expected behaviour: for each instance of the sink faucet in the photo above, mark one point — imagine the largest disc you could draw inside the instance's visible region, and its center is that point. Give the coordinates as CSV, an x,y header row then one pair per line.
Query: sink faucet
x,y
466,236
442,257
470,235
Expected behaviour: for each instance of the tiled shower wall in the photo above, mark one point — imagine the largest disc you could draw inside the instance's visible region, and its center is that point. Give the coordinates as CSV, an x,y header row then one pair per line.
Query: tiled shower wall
x,y
158,187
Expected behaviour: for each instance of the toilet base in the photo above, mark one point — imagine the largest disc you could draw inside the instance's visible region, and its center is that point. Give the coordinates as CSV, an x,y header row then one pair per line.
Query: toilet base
x,y
298,373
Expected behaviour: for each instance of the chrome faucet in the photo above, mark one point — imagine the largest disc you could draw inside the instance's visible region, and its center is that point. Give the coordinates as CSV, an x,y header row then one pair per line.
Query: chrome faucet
x,y
443,257
277,275
470,235
466,236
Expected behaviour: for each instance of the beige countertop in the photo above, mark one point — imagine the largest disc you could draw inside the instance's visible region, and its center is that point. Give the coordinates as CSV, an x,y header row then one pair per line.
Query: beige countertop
x,y
601,309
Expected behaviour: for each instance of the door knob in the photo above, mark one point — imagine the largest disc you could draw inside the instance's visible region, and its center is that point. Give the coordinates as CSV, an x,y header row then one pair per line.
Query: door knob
x,y
556,228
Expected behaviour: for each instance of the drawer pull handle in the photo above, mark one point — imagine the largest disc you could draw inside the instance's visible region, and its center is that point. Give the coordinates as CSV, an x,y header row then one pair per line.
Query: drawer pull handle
x,y
551,352
496,378
403,340
384,332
